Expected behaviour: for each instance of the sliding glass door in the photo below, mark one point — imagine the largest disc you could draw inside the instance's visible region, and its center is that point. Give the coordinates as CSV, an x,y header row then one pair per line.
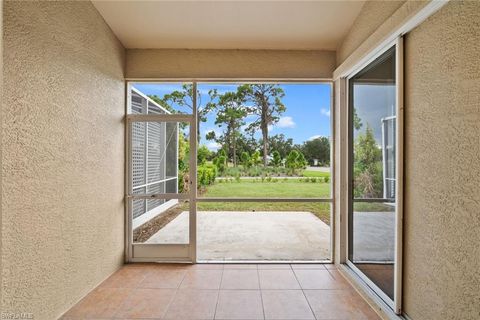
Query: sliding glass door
x,y
374,217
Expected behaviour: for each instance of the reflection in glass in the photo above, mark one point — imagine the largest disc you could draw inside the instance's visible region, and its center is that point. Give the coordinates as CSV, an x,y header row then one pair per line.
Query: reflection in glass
x,y
373,136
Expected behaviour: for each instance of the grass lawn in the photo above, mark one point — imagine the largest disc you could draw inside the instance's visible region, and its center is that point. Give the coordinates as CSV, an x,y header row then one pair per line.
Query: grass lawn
x,y
372,207
315,174
279,189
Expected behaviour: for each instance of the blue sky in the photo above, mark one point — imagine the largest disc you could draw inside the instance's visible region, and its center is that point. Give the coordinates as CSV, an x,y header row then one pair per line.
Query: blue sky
x,y
373,103
307,109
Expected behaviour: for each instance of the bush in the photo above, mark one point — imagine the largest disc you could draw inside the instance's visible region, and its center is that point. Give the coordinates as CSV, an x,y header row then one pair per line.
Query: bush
x,y
206,175
277,159
256,158
221,163
246,160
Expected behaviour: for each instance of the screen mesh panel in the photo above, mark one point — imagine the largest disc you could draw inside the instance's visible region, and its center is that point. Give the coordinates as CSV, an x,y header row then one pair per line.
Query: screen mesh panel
x,y
154,154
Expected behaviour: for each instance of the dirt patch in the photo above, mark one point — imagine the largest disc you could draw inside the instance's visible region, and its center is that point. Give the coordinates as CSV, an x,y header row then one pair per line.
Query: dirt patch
x,y
148,229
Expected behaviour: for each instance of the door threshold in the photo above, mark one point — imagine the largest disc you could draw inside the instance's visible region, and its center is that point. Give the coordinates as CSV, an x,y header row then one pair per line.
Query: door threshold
x,y
264,261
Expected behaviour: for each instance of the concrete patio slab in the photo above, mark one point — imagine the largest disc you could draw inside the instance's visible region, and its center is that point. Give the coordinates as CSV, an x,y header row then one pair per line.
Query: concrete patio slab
x,y
235,235
252,235
374,236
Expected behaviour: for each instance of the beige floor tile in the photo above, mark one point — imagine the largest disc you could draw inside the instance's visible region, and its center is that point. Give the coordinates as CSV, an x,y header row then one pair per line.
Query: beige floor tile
x,y
163,278
278,279
318,279
125,278
339,304
339,278
239,304
286,304
240,279
241,266
146,304
202,279
320,266
207,266
192,304
273,266
100,303
330,266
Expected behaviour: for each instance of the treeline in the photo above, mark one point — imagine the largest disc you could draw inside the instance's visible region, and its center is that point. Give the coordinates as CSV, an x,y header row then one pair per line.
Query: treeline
x,y
262,103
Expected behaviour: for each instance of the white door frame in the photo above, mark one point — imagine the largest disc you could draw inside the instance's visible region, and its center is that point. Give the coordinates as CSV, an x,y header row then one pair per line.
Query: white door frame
x,y
168,251
395,304
147,252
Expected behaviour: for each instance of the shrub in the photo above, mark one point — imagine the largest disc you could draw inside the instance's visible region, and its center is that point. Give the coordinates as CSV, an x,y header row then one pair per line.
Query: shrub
x,y
221,163
206,175
277,159
246,160
256,158
203,154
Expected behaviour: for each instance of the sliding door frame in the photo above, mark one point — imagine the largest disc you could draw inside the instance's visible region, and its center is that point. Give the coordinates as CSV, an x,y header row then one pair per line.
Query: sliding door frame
x,y
194,198
396,303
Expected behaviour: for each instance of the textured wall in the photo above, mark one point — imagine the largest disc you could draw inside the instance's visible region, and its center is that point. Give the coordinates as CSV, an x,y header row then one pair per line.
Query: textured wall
x,y
246,64
442,165
63,155
370,33
373,14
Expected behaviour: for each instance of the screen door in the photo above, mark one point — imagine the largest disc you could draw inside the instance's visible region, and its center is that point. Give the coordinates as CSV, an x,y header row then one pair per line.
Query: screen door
x,y
161,177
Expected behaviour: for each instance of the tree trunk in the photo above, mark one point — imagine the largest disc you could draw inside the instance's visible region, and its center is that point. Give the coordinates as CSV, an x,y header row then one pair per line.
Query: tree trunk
x,y
233,142
234,152
198,131
264,127
265,146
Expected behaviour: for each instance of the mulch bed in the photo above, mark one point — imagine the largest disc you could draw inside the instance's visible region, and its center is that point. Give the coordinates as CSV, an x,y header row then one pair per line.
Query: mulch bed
x,y
148,229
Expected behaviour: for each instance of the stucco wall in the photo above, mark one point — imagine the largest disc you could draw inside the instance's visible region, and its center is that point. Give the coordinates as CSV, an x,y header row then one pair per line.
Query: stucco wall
x,y
373,14
442,165
63,155
442,156
224,64
370,35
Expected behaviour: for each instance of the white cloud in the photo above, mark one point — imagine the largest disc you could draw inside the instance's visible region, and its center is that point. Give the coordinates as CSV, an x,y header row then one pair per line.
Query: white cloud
x,y
315,137
213,146
325,112
285,122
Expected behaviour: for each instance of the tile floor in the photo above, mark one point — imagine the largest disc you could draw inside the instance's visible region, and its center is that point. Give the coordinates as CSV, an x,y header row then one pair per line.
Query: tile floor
x,y
217,291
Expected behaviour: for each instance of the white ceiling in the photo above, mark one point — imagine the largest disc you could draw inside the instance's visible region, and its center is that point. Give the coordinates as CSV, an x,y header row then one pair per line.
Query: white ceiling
x,y
301,25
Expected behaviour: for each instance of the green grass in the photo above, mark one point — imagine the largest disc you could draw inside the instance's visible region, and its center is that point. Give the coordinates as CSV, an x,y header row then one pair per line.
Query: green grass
x,y
372,207
258,189
315,174
280,189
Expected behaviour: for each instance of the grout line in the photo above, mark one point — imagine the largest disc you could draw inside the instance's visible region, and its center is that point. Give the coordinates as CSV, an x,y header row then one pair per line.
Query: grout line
x,y
218,293
130,291
261,293
304,295
174,295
